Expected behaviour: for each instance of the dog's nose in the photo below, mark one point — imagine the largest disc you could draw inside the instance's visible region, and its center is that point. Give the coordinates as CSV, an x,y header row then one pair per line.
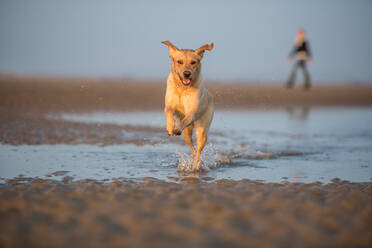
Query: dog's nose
x,y
187,74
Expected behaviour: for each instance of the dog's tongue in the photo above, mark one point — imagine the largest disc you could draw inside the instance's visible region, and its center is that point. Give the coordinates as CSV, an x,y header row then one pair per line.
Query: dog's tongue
x,y
186,80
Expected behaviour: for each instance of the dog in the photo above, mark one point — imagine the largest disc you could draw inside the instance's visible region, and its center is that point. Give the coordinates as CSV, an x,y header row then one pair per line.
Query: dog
x,y
186,99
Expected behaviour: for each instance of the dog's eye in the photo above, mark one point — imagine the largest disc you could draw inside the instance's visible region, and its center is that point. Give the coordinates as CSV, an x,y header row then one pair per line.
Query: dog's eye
x,y
180,62
193,62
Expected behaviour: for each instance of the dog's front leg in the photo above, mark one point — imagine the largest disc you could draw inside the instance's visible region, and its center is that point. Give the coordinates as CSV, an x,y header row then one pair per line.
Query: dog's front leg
x,y
169,115
191,106
186,121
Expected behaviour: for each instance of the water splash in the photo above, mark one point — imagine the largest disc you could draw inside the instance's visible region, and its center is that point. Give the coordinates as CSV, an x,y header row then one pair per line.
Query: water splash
x,y
209,159
212,157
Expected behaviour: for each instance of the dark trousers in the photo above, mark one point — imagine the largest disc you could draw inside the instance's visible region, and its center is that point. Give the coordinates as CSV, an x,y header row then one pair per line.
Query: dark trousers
x,y
292,77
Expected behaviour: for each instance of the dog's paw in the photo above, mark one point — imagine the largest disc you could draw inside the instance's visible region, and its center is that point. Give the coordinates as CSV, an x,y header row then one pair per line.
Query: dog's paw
x,y
170,133
177,131
196,166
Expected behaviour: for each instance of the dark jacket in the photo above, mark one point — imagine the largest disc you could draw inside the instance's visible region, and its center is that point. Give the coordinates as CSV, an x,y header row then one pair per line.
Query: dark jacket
x,y
304,47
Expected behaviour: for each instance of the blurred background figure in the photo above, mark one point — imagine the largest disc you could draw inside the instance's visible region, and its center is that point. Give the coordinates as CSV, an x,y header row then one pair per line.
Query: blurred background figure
x,y
302,54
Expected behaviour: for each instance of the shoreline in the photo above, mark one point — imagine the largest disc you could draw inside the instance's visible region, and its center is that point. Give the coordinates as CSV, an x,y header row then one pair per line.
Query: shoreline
x,y
79,95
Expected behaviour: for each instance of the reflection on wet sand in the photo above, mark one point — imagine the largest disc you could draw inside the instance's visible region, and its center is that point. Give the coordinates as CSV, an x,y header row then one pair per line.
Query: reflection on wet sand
x,y
299,115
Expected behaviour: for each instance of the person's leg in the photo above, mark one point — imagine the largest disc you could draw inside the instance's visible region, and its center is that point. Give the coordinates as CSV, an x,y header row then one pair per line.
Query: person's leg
x,y
307,79
292,75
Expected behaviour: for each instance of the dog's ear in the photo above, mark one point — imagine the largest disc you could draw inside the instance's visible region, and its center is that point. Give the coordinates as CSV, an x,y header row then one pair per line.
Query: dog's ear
x,y
172,48
201,49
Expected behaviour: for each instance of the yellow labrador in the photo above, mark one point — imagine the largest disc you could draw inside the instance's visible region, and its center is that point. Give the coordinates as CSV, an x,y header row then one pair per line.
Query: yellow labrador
x,y
186,99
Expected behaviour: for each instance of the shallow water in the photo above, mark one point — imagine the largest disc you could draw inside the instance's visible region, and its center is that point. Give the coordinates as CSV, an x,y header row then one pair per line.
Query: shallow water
x,y
298,145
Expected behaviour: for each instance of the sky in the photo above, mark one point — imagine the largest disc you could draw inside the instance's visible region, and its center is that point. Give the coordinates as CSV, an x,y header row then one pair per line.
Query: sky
x,y
118,38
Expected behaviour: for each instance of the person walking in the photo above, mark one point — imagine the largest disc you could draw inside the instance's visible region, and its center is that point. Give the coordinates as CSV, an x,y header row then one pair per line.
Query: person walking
x,y
301,52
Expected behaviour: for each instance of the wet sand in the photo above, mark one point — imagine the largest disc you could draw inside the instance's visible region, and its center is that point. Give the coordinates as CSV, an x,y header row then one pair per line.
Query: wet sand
x,y
153,213
146,212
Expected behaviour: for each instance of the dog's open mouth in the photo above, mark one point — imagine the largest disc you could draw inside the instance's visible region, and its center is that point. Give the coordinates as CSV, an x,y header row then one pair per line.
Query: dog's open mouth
x,y
186,81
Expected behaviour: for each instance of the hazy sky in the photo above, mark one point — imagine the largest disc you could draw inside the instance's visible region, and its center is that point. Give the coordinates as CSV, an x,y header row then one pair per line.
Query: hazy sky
x,y
122,38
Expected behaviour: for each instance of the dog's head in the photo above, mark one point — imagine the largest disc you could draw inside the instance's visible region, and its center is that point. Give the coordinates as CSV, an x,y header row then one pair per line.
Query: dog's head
x,y
186,62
